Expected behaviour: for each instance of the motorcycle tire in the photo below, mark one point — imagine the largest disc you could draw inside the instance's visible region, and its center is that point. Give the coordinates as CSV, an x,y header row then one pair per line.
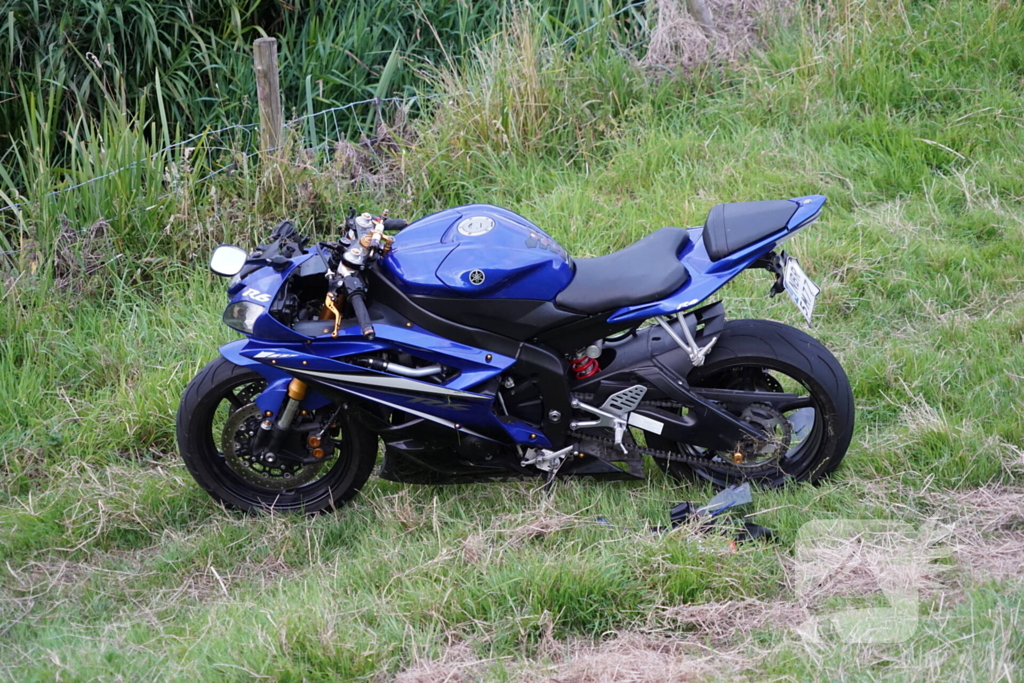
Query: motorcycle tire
x,y
215,394
762,355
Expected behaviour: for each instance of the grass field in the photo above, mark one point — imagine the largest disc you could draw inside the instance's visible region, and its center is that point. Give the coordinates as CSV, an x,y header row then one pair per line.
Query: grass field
x,y
907,115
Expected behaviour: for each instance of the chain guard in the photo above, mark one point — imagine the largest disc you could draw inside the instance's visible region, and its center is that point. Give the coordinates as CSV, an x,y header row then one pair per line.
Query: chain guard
x,y
658,454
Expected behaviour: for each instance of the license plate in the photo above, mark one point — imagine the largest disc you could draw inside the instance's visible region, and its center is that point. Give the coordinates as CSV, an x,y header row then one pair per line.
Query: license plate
x,y
801,289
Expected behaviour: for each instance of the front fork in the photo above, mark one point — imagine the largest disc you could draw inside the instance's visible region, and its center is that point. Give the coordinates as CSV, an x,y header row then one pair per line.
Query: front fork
x,y
274,433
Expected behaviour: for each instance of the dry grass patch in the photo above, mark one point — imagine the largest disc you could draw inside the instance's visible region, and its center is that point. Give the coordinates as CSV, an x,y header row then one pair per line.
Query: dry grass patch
x,y
400,508
628,657
535,524
457,664
210,583
988,531
631,657
36,583
678,41
1010,455
512,531
982,528
860,578
731,621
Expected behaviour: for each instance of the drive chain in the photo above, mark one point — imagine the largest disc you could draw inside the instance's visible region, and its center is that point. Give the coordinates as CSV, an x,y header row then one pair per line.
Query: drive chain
x,y
672,456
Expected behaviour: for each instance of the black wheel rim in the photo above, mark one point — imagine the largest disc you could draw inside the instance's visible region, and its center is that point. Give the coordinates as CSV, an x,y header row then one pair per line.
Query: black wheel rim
x,y
235,395
807,423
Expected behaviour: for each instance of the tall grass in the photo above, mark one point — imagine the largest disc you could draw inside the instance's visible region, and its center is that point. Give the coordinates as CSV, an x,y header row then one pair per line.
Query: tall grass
x,y
97,87
524,98
188,65
86,119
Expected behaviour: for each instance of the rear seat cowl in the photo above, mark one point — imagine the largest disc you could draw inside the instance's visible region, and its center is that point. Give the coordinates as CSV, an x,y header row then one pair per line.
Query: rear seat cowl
x,y
730,227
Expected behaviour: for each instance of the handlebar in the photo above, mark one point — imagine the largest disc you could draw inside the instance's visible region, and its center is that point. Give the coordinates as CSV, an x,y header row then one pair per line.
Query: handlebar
x,y
363,244
356,293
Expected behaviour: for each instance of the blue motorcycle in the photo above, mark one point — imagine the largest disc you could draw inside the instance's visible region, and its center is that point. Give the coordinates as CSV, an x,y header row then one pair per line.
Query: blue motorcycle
x,y
475,348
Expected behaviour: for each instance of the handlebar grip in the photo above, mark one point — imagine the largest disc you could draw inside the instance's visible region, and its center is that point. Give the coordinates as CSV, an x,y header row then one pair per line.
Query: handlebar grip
x,y
395,223
356,291
362,316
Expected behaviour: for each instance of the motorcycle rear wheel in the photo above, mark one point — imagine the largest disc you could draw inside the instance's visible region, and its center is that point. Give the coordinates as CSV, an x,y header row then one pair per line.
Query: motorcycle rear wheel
x,y
220,390
762,355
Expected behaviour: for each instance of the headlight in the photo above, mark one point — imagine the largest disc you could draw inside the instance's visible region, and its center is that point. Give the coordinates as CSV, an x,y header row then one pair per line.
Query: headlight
x,y
242,316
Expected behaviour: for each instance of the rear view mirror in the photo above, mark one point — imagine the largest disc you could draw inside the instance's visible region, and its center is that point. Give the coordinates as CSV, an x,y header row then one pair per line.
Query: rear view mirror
x,y
227,260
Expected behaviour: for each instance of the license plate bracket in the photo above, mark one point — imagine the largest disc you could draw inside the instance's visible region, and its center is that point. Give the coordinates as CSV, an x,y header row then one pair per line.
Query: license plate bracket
x,y
801,289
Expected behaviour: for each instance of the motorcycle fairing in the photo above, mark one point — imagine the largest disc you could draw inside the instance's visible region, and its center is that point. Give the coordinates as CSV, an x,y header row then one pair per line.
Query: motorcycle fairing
x,y
453,404
475,365
262,286
271,398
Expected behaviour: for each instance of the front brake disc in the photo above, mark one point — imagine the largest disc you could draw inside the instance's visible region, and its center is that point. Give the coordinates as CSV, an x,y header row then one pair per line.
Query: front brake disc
x,y
237,444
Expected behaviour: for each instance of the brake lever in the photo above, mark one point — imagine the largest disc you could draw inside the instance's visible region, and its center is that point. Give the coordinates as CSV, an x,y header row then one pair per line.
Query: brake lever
x,y
332,304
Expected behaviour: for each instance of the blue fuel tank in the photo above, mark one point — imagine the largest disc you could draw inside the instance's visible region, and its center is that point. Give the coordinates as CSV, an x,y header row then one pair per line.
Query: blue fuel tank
x,y
480,252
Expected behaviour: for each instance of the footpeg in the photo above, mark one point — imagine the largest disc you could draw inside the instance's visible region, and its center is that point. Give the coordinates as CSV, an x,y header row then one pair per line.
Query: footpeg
x,y
625,401
613,413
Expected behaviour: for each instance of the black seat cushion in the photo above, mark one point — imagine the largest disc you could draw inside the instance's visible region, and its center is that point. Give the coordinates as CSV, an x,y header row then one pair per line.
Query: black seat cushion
x,y
730,227
644,271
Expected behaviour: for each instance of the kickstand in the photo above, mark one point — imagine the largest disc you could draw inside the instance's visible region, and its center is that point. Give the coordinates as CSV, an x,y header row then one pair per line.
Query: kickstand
x,y
549,485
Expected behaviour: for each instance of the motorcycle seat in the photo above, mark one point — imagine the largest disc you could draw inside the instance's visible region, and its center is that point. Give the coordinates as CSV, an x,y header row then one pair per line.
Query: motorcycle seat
x,y
730,227
646,270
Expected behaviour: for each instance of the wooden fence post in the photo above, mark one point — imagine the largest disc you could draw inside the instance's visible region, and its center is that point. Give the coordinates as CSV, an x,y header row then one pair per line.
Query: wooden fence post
x,y
268,91
699,11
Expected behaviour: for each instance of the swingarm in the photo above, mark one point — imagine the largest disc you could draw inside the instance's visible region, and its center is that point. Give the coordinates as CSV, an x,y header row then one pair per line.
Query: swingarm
x,y
704,423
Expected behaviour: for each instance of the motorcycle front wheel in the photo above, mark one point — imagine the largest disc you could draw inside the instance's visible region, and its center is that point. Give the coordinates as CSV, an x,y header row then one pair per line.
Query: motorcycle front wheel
x,y
218,414
762,355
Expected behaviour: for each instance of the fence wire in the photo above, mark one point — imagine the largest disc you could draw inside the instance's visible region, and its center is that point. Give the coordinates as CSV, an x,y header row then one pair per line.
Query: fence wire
x,y
214,141
317,132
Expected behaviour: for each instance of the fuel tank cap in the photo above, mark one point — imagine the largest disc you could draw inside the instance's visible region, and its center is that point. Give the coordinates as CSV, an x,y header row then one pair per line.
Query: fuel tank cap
x,y
475,225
